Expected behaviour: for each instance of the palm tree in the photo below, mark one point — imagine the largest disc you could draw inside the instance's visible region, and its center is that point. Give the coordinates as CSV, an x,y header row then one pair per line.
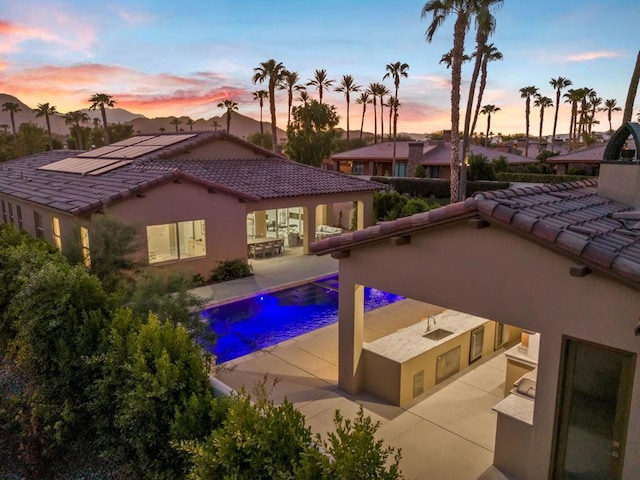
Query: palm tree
x,y
304,97
439,10
228,105
260,95
45,110
363,100
76,118
527,93
273,72
374,89
176,122
190,122
558,84
102,100
542,102
485,26
596,102
382,92
396,71
610,106
488,110
490,54
320,81
573,97
290,83
631,94
586,94
348,86
12,108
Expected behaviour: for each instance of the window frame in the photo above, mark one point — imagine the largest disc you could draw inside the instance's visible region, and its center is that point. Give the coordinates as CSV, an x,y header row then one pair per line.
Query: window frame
x,y
174,232
56,232
39,224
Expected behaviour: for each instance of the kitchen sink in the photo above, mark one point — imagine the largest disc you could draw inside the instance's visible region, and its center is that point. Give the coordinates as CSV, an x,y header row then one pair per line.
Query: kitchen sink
x,y
437,334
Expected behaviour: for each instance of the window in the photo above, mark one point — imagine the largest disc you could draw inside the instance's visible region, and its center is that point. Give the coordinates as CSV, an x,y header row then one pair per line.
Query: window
x,y
4,212
176,241
19,212
401,169
37,220
10,212
84,242
55,228
357,168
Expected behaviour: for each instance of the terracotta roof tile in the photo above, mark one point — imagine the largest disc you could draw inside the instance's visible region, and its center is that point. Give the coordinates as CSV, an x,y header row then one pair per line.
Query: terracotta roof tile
x,y
569,218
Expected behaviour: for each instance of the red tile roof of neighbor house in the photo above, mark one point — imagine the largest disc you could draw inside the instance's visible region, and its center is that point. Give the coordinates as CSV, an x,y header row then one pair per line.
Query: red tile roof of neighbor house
x,y
251,179
569,218
382,151
586,155
442,155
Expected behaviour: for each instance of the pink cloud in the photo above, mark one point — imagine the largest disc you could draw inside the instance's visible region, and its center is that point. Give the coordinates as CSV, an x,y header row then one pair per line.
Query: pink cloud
x,y
12,34
588,56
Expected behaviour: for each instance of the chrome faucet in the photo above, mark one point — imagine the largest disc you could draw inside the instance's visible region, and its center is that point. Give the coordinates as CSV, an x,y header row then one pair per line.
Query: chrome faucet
x,y
431,317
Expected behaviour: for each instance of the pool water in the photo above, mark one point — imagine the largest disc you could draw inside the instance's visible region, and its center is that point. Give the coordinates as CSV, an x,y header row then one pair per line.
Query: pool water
x,y
262,321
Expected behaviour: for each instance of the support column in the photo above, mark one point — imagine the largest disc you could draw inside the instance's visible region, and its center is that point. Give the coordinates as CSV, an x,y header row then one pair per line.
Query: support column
x,y
350,337
309,228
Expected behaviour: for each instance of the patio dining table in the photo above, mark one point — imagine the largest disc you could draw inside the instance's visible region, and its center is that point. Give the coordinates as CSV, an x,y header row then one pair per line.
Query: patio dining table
x,y
264,246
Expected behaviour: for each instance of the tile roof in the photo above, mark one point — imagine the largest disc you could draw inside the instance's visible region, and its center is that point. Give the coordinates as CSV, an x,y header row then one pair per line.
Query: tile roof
x,y
442,155
252,179
586,155
568,218
382,150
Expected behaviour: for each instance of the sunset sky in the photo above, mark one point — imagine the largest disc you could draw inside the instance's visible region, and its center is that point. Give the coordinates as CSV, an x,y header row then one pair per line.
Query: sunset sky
x,y
161,58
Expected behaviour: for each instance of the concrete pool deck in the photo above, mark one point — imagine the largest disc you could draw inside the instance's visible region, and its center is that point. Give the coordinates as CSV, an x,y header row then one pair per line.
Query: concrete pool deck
x,y
446,433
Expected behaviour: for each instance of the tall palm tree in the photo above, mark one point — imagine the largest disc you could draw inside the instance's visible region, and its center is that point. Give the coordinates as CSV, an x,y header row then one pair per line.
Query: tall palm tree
x,y
610,106
396,71
190,122
489,54
383,91
260,95
176,122
272,72
631,94
485,26
45,110
290,83
102,101
348,86
390,105
12,108
438,11
374,89
320,81
75,119
364,99
596,102
542,102
527,93
586,94
488,110
228,105
558,84
572,96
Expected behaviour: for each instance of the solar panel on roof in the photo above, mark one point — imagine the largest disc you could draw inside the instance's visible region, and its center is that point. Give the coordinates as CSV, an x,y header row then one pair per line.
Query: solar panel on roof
x,y
133,140
132,151
166,140
99,151
108,168
77,165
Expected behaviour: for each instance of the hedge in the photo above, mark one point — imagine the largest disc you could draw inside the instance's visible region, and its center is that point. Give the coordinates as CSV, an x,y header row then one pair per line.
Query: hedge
x,y
538,177
436,188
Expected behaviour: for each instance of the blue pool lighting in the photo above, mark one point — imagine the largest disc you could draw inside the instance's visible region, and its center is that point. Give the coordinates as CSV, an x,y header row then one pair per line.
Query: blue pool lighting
x,y
259,322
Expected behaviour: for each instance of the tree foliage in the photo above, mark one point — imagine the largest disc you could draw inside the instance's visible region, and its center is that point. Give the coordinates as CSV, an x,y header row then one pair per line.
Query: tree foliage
x,y
312,134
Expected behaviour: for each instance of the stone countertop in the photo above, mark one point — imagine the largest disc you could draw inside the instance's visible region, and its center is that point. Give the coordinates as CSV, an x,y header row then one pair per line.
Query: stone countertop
x,y
409,342
517,407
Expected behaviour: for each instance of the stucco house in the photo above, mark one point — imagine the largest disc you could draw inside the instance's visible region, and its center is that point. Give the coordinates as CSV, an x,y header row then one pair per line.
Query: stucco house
x,y
587,159
434,155
197,198
561,262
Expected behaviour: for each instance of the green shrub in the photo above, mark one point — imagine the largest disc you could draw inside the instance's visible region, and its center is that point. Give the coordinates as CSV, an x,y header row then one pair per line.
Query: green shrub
x,y
479,168
435,188
538,178
231,270
420,172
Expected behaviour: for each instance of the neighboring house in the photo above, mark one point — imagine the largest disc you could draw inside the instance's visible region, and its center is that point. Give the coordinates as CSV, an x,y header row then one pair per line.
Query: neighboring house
x,y
586,159
434,155
560,261
197,198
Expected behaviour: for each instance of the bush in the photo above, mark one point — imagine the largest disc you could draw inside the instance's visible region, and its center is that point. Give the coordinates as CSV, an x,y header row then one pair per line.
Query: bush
x,y
435,188
538,178
479,168
231,270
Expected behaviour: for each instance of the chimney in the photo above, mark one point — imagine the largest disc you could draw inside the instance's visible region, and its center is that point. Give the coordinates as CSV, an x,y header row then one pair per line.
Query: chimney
x,y
446,135
415,157
620,168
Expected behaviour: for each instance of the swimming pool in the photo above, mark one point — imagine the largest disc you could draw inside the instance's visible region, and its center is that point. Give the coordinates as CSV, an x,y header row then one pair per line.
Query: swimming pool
x,y
262,321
